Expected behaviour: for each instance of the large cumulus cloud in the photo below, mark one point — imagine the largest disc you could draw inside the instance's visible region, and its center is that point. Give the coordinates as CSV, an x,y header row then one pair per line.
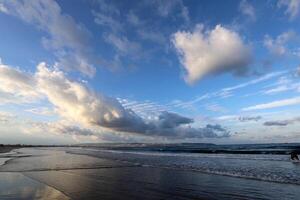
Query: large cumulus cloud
x,y
210,52
78,104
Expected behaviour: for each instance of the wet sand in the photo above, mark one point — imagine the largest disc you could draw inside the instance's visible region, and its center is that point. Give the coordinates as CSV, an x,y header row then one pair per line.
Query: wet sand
x,y
84,177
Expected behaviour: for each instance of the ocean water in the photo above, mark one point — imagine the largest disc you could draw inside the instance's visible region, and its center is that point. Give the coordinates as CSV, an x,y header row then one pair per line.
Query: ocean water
x,y
265,162
147,171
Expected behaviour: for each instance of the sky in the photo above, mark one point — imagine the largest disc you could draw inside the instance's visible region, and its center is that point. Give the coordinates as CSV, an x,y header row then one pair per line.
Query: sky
x,y
149,71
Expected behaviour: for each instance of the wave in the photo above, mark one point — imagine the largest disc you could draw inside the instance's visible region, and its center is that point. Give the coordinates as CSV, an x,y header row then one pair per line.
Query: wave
x,y
273,168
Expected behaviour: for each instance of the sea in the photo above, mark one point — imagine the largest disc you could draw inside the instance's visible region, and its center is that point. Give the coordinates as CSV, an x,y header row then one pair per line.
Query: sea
x,y
266,162
151,171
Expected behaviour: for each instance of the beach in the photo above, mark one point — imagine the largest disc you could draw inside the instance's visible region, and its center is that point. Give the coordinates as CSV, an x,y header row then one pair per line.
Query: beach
x,y
76,173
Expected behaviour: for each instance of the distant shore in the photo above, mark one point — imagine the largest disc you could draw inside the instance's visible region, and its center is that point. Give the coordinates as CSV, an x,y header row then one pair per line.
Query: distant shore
x,y
6,149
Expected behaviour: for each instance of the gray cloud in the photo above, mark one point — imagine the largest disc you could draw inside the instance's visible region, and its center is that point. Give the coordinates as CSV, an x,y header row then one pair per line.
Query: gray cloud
x,y
170,120
249,118
282,122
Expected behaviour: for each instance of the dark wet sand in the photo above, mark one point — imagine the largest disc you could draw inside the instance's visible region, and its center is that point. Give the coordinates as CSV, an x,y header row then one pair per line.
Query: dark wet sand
x,y
85,177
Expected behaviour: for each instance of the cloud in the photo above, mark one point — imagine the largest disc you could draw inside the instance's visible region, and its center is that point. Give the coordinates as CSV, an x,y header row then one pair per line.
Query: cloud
x,y
226,92
171,120
41,111
277,46
247,9
3,8
202,52
123,45
77,104
107,20
274,104
282,85
249,118
239,118
16,85
68,39
60,128
292,7
282,122
298,71
171,8
255,81
6,118
214,107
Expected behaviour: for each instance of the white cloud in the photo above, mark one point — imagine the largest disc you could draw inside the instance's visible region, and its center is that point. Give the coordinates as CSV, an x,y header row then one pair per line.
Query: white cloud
x,y
274,104
255,81
277,46
16,85
247,9
283,84
292,7
41,111
226,92
3,8
68,39
202,52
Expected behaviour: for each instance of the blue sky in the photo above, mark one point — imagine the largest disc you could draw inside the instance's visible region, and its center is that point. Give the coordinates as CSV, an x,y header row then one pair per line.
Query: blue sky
x,y
149,71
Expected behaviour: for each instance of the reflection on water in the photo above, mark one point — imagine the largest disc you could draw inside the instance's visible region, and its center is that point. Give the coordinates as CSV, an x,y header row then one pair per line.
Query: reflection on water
x,y
3,160
17,186
89,177
42,160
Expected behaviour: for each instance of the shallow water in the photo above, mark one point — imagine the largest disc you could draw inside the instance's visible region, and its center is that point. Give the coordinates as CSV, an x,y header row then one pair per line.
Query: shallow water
x,y
136,175
17,186
273,168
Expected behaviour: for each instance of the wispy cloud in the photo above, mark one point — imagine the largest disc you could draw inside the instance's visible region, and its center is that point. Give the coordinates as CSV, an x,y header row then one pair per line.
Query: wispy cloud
x,y
247,9
274,104
228,91
278,46
292,7
68,39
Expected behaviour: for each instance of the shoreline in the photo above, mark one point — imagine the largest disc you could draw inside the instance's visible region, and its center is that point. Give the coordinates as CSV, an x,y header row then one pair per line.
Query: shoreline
x,y
7,149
